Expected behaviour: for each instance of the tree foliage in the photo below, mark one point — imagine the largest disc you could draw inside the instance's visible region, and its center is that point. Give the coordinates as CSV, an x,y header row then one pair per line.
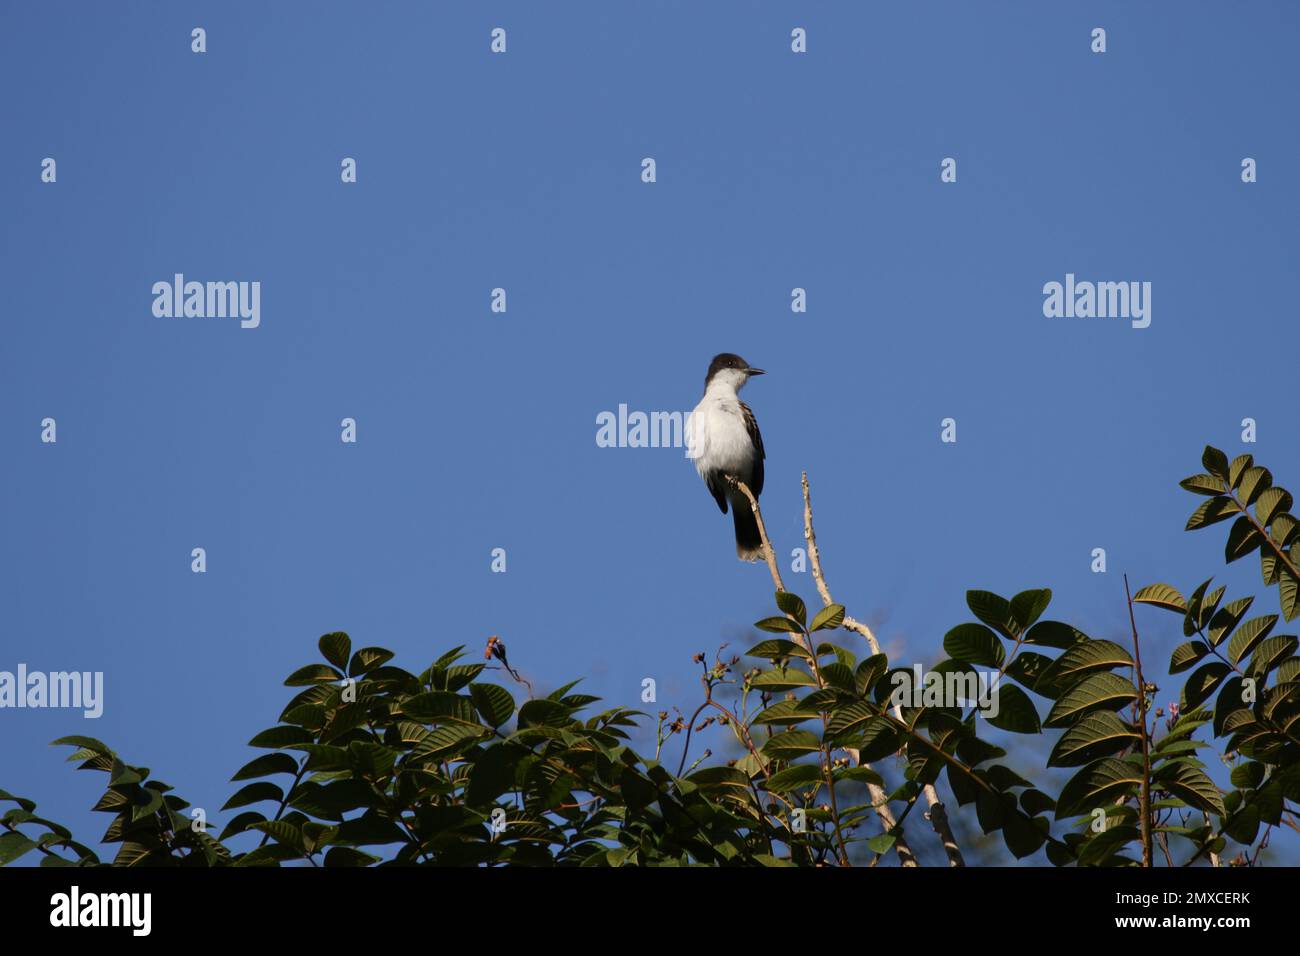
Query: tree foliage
x,y
371,764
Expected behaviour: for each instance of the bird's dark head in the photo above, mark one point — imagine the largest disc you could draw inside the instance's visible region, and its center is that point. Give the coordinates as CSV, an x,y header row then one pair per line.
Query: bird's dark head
x,y
730,369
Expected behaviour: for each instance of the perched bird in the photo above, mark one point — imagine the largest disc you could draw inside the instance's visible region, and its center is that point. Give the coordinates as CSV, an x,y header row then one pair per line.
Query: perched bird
x,y
725,442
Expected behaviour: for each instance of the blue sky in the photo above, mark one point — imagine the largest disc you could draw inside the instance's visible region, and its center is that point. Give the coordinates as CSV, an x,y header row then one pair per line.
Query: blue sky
x,y
477,430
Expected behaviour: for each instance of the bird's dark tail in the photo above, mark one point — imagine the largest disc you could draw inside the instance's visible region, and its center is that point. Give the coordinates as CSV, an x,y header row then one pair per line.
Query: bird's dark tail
x,y
749,543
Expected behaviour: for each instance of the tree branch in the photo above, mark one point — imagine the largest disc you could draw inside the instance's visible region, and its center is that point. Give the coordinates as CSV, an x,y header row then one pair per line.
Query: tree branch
x,y
879,798
937,814
1140,712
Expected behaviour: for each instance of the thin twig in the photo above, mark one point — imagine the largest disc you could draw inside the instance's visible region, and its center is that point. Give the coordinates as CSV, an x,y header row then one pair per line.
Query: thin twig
x,y
937,813
1140,711
879,798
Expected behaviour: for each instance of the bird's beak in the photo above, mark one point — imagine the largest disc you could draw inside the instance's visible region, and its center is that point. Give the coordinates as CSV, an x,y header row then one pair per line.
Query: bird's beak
x,y
754,371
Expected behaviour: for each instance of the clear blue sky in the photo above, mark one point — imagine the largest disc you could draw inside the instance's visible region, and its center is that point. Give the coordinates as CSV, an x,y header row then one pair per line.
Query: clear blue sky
x,y
477,430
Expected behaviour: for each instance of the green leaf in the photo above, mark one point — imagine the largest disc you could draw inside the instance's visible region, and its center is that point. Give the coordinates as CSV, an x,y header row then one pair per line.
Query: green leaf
x,y
1192,619
786,712
282,832
1243,826
839,675
792,605
778,625
122,774
312,674
775,649
859,775
440,706
1248,775
783,678
1202,684
1161,595
13,845
1101,848
240,823
1100,690
828,618
1054,634
254,793
270,855
1248,635
1186,655
1019,833
494,703
881,843
850,719
23,802
1229,702
1204,485
266,765
1228,617
449,741
1191,785
1035,802
1211,511
347,856
792,778
719,778
1215,462
492,774
1272,502
1099,734
791,745
1253,482
367,659
868,672
543,713
1099,783
1284,528
276,738
85,743
974,644
1270,653
335,648
1086,656
1028,606
1288,587
1242,540
994,611
1015,711
1238,468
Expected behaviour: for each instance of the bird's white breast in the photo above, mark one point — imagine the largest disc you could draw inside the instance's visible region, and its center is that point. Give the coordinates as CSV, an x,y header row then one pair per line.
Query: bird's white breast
x,y
720,441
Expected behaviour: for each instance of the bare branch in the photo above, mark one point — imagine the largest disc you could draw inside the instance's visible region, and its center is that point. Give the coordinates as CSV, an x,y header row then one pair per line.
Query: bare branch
x,y
879,798
937,814
1140,713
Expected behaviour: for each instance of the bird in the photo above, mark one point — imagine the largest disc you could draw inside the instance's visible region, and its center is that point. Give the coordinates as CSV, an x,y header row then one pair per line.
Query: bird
x,y
726,444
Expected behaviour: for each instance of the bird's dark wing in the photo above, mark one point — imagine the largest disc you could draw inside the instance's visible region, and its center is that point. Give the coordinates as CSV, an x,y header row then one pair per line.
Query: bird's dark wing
x,y
751,426
717,485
